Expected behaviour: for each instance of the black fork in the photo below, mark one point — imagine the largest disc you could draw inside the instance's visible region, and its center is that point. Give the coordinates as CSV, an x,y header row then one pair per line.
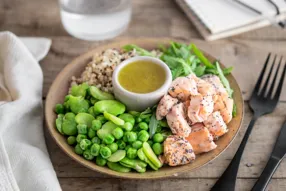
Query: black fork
x,y
261,102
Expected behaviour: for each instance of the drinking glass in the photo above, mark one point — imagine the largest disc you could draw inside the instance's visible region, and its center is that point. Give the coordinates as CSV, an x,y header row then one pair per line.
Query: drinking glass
x,y
95,19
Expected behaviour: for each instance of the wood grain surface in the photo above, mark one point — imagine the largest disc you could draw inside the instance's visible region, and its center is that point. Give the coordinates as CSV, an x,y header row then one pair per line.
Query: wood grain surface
x,y
160,18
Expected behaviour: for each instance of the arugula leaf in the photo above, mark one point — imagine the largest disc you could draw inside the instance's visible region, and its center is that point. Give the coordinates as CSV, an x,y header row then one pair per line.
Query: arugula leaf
x,y
153,125
201,56
223,80
140,51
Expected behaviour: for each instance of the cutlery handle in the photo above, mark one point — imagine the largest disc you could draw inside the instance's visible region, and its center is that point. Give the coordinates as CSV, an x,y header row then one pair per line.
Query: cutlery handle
x,y
267,173
227,181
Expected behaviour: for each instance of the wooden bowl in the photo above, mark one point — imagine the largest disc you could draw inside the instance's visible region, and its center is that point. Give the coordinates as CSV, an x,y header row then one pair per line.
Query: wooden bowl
x,y
60,87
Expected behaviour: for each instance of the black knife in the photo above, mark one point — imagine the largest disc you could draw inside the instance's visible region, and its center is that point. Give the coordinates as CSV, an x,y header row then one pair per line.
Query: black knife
x,y
275,159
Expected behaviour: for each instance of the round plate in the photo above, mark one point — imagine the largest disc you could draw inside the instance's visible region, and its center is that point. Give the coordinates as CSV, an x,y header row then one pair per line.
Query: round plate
x,y
59,90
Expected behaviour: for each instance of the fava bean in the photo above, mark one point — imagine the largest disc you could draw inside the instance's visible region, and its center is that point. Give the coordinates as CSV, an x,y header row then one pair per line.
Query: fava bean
x,y
100,95
111,106
127,118
84,118
78,104
117,167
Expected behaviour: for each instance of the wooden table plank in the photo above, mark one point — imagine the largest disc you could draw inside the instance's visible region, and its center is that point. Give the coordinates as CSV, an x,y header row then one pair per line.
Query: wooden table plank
x,y
88,184
253,161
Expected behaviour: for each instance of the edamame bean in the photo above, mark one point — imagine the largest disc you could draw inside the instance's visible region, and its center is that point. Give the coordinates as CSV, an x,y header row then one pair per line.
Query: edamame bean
x,y
118,133
60,109
80,137
105,152
85,144
113,147
96,124
71,140
94,149
158,138
143,126
157,148
96,140
137,144
82,129
87,155
132,153
108,139
100,161
91,133
143,136
78,150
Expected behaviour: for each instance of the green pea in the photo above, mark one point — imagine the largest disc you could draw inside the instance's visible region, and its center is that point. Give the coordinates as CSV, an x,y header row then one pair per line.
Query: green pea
x,y
158,138
111,106
131,136
157,148
69,116
96,124
127,126
71,140
105,152
117,133
78,150
143,126
150,142
66,106
87,155
143,136
85,144
91,133
90,111
100,161
94,149
60,109
132,153
96,140
80,137
138,119
113,147
127,147
121,144
100,95
108,139
101,118
137,144
163,123
78,104
82,129
117,167
67,97
127,118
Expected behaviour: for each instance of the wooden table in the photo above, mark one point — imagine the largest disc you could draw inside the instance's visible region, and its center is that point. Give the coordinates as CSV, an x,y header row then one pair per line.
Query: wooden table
x,y
160,18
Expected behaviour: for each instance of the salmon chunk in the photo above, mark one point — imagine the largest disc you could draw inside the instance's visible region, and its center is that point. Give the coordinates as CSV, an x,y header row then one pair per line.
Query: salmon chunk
x,y
216,83
178,151
183,87
201,140
225,106
177,122
164,106
216,125
205,88
200,108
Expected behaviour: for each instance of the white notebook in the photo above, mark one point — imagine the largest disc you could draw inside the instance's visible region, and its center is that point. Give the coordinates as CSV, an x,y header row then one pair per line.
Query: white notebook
x,y
221,18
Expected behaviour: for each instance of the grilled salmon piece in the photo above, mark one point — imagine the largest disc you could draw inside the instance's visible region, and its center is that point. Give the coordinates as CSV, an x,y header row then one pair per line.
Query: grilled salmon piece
x,y
200,108
216,125
201,140
178,151
183,87
177,122
164,106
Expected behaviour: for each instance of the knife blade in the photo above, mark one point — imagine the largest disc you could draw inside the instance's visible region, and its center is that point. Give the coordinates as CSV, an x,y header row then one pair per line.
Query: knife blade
x,y
275,159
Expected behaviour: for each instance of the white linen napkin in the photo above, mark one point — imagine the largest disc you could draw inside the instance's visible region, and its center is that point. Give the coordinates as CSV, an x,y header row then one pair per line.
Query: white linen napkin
x,y
24,160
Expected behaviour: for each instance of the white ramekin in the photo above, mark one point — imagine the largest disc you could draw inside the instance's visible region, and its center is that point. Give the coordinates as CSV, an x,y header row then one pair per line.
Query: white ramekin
x,y
138,101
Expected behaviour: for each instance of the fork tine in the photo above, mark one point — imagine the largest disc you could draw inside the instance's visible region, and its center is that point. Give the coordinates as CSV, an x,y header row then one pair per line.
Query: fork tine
x,y
263,91
274,80
259,81
280,85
